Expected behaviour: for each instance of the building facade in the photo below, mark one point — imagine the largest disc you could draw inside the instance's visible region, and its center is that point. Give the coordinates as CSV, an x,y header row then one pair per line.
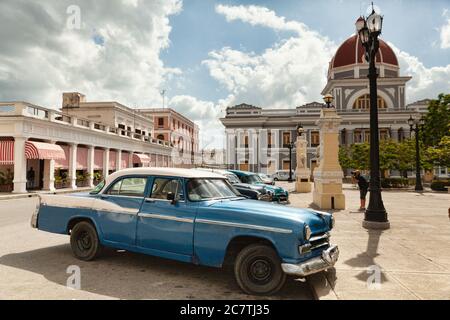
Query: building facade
x,y
44,149
258,139
182,133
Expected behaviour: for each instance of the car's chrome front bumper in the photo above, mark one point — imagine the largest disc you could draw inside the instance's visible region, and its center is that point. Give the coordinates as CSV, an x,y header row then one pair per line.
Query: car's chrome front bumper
x,y
314,265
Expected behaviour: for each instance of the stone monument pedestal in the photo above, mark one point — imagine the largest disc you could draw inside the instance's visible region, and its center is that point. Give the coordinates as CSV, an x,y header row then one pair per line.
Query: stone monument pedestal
x,y
328,175
303,183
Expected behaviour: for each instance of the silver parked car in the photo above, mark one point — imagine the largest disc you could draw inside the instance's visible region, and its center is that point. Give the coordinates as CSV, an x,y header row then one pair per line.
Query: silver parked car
x,y
282,175
266,178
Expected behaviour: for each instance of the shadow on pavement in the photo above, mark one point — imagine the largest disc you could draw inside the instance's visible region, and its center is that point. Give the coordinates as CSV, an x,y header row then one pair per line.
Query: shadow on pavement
x,y
126,275
367,259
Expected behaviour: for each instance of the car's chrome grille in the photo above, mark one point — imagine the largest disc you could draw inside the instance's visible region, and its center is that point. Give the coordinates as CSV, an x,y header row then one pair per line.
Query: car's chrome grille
x,y
319,240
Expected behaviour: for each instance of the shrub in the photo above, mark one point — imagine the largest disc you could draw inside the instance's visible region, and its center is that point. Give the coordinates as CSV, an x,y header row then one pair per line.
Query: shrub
x,y
438,185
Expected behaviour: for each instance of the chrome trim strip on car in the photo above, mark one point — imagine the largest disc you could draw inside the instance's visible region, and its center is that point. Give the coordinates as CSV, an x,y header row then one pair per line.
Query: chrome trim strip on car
x,y
163,217
242,225
320,237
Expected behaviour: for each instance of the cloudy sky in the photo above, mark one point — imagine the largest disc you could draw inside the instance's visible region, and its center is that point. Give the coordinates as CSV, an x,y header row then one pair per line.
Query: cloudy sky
x,y
206,54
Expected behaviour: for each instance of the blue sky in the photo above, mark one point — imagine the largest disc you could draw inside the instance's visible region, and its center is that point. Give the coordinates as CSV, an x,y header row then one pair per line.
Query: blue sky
x,y
412,25
206,54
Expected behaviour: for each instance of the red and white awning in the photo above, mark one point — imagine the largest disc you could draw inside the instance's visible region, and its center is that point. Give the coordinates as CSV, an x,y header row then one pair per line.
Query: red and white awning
x,y
141,159
6,152
40,150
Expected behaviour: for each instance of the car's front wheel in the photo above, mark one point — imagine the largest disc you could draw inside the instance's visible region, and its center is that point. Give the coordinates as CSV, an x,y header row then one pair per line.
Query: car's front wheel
x,y
258,270
84,241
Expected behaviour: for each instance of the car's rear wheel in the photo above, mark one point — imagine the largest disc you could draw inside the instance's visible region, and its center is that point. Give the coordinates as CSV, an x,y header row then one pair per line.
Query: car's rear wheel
x,y
258,270
84,241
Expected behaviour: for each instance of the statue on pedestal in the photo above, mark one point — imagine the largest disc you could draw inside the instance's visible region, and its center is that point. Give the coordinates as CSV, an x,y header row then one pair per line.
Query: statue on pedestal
x,y
303,183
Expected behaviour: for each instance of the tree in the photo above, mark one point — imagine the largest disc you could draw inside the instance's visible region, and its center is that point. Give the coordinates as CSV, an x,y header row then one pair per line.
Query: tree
x,y
437,121
440,154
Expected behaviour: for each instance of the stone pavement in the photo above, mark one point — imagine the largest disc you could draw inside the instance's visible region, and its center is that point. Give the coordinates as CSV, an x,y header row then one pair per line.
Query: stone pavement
x,y
413,255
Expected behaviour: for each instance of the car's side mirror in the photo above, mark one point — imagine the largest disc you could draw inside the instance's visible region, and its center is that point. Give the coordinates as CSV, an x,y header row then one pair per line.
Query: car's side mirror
x,y
171,197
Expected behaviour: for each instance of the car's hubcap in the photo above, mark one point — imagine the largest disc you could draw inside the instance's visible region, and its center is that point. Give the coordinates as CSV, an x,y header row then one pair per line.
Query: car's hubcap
x,y
260,271
84,241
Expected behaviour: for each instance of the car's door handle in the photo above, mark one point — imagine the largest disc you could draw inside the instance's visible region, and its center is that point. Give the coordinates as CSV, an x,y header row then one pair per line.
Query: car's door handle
x,y
104,197
148,200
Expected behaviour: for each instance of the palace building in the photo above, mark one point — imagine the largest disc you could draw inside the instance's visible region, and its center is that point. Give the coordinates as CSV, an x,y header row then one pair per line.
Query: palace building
x,y
257,139
46,149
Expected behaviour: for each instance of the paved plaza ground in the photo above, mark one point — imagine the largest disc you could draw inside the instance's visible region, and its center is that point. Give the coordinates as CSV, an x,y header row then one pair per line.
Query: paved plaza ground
x,y
414,254
414,257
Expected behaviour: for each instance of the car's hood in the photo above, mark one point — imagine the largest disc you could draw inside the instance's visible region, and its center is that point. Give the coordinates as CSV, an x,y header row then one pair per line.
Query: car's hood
x,y
315,220
274,189
250,186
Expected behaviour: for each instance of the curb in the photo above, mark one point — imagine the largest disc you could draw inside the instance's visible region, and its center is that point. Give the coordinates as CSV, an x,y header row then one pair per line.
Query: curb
x,y
320,287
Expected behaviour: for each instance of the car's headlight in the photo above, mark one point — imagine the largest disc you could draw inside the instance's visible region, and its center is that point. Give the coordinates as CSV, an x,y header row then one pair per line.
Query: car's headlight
x,y
307,232
332,222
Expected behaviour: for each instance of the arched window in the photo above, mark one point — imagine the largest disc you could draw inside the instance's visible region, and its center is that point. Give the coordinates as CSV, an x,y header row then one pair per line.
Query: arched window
x,y
160,137
363,103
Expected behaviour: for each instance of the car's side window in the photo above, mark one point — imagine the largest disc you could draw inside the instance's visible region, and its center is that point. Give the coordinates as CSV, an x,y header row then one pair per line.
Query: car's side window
x,y
163,186
129,187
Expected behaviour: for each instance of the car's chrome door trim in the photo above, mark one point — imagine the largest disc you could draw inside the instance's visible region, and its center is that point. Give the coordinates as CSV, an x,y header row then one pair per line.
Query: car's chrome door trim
x,y
242,225
164,217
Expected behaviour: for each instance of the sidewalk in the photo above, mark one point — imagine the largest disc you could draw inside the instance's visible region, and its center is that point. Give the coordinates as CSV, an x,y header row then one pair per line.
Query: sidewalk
x,y
11,196
413,255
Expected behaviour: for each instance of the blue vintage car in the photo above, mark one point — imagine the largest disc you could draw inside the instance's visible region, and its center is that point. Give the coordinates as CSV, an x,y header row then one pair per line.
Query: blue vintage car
x,y
192,216
279,194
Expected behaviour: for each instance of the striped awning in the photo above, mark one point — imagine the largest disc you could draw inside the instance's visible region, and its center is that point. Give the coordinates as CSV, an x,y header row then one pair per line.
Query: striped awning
x,y
141,159
6,152
40,150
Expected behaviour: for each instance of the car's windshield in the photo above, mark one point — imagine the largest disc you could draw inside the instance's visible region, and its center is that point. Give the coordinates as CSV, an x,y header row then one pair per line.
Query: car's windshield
x,y
232,178
263,176
98,188
210,189
254,178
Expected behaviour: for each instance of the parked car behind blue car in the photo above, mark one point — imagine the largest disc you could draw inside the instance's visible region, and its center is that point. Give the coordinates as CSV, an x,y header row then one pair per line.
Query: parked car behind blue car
x,y
279,194
192,216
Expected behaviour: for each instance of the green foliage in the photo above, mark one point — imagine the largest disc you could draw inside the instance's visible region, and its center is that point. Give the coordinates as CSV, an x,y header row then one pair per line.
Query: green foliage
x,y
394,155
7,177
438,185
437,121
439,155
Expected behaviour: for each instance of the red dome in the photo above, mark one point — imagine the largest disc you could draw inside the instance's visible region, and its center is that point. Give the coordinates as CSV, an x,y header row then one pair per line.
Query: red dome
x,y
352,52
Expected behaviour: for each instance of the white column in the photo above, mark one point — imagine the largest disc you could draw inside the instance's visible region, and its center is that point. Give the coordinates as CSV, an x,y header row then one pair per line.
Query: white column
x,y
130,160
91,155
20,166
73,165
49,174
118,160
106,163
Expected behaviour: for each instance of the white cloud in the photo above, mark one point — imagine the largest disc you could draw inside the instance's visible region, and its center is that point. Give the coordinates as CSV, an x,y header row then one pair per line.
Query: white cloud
x,y
256,15
204,113
286,75
445,31
425,82
40,57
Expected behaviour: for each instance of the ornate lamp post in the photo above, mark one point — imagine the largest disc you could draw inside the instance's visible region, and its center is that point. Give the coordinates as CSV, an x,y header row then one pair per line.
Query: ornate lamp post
x,y
291,146
415,125
328,100
369,29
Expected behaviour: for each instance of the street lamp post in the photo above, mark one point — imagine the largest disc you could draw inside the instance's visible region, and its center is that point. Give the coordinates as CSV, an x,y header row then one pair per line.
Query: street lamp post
x,y
369,29
414,127
291,147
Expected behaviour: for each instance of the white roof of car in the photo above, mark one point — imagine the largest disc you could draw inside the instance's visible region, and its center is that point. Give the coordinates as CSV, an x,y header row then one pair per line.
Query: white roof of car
x,y
168,172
